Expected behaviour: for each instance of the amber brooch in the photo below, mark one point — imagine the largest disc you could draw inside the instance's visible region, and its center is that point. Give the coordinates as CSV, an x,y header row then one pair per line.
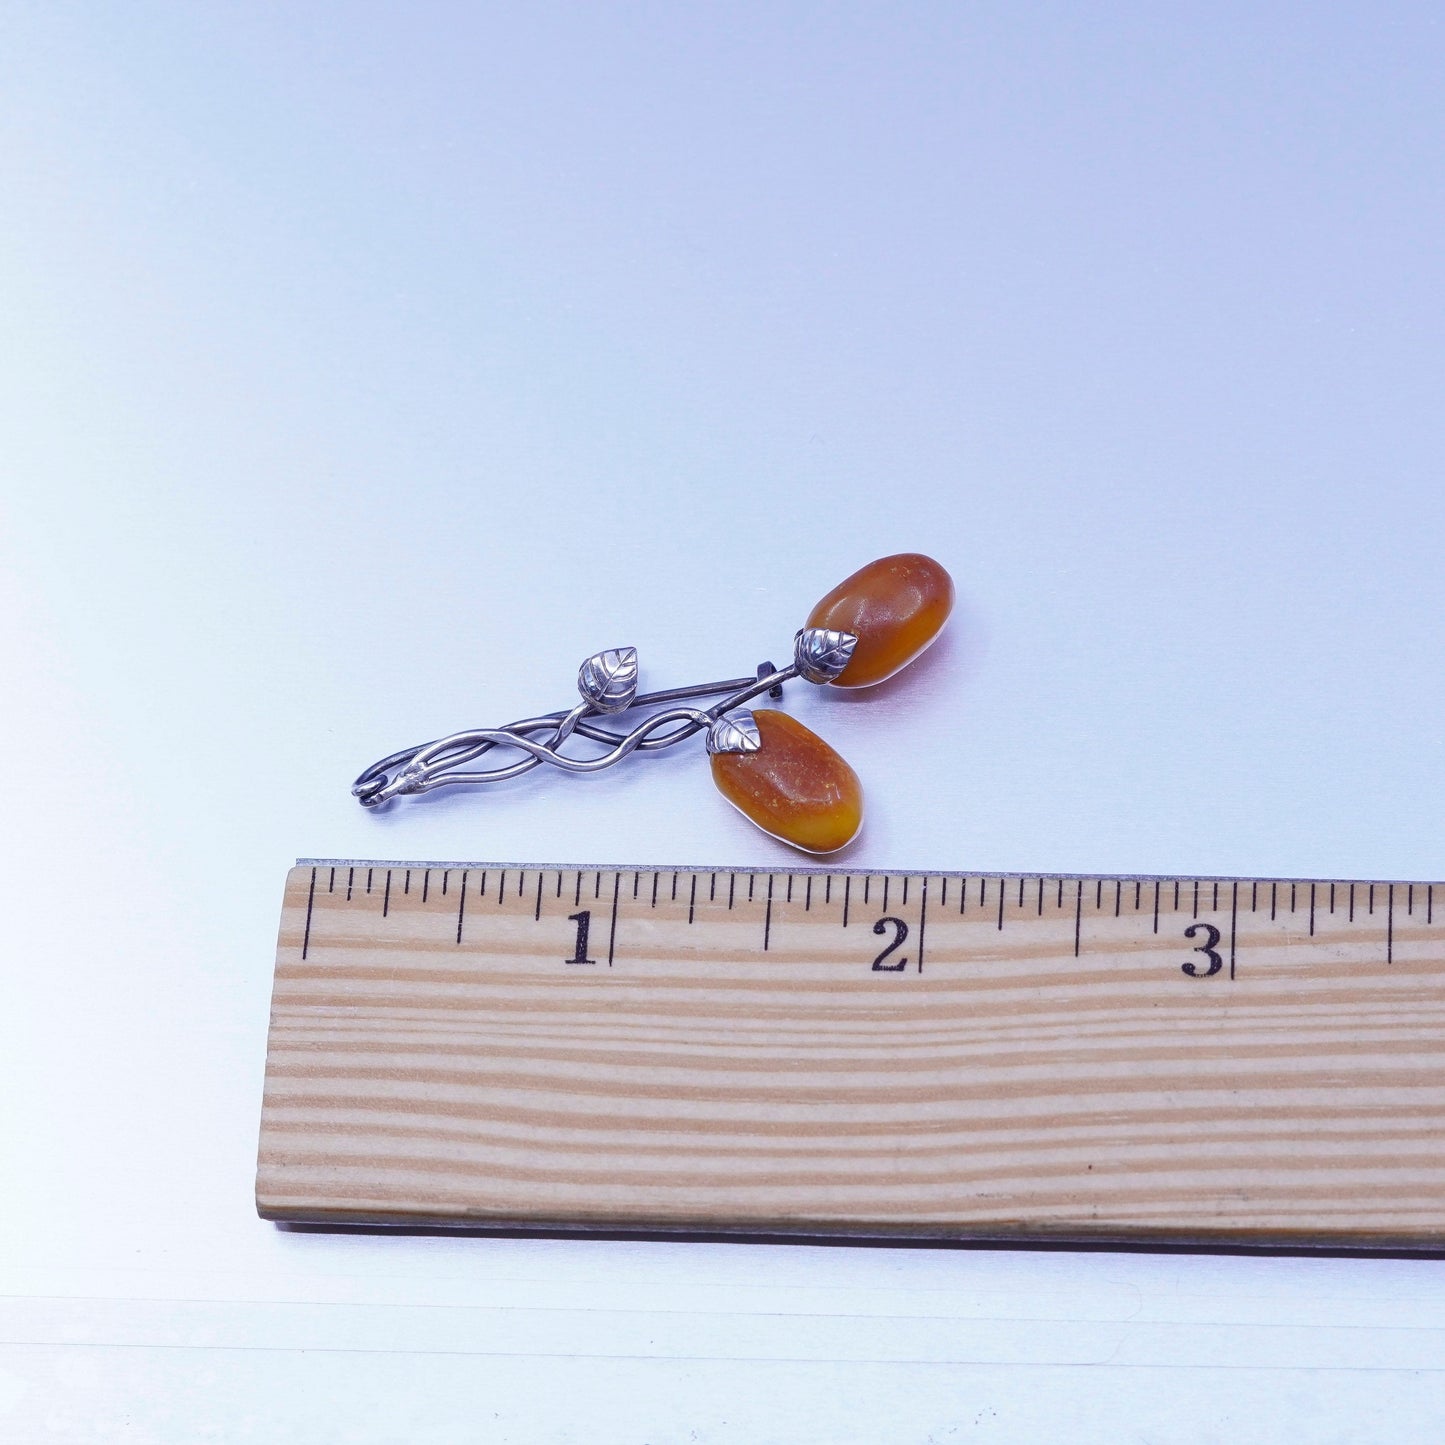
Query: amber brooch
x,y
776,772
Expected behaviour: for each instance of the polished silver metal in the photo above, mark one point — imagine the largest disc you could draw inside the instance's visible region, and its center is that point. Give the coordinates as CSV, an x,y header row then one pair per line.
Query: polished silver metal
x,y
541,739
735,732
820,654
608,680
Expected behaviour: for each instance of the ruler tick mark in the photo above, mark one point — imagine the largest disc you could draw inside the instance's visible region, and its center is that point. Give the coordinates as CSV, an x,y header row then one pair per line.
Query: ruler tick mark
x,y
386,897
847,889
1196,898
922,919
1390,929
732,884
674,885
331,886
501,886
1352,902
768,916
350,879
1233,925
1156,905
808,894
1078,915
612,931
1000,904
789,898
368,882
461,904
425,884
1119,895
655,878
1312,910
537,912
752,879
577,890
597,885
310,899
692,898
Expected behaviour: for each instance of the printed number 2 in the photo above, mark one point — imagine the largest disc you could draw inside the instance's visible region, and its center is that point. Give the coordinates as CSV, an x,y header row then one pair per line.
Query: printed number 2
x,y
1206,948
900,933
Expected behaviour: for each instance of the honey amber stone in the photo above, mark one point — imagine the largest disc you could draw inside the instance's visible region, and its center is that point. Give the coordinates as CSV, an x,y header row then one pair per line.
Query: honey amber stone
x,y
794,786
895,607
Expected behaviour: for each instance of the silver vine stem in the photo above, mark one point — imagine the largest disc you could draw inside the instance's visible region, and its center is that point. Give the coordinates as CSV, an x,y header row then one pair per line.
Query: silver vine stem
x,y
607,682
444,762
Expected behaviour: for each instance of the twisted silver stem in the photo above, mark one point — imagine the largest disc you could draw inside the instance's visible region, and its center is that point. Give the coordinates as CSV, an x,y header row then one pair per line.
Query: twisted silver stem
x,y
608,684
445,762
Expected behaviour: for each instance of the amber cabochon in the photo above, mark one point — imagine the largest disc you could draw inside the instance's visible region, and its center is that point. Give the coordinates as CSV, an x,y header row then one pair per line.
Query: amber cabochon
x,y
895,607
794,787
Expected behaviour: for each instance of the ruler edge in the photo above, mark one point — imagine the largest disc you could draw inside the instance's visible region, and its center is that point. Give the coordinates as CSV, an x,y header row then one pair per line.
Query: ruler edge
x,y
804,1231
1141,1240
879,872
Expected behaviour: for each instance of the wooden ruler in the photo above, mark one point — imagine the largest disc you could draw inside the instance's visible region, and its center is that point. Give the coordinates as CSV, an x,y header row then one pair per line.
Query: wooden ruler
x,y
1247,1061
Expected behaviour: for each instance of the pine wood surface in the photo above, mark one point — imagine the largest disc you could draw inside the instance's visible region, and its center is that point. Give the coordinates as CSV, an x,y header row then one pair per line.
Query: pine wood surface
x,y
1238,1061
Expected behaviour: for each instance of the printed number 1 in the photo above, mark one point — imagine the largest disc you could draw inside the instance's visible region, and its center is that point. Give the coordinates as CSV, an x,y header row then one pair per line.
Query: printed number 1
x,y
583,921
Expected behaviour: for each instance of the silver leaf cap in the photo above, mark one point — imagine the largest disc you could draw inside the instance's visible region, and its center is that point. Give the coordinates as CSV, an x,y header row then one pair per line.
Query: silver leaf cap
x,y
735,733
608,680
820,654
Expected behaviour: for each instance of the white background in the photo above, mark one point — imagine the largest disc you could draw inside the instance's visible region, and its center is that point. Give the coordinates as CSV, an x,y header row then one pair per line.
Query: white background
x,y
364,367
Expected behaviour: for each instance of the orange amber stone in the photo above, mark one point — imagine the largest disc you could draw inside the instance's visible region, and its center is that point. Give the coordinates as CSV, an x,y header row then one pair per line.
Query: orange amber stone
x,y
895,607
794,787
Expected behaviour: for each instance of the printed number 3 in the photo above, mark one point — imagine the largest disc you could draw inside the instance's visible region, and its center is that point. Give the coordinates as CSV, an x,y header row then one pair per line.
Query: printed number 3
x,y
1206,948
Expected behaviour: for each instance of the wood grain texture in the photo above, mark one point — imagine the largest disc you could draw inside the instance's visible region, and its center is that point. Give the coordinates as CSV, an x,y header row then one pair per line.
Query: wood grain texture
x,y
1240,1061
